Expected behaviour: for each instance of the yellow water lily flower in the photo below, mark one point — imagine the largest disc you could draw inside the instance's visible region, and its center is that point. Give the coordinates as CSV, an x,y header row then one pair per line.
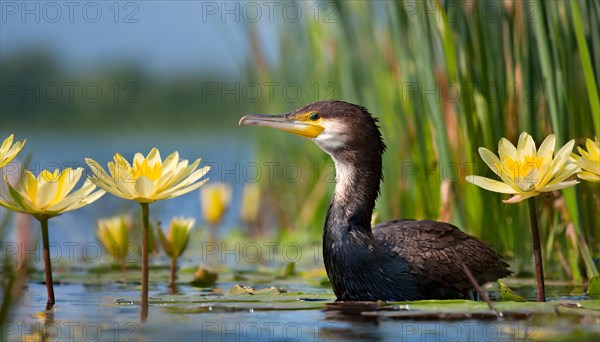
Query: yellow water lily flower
x,y
148,179
45,196
525,171
250,203
176,241
49,194
178,236
9,151
589,161
215,199
113,234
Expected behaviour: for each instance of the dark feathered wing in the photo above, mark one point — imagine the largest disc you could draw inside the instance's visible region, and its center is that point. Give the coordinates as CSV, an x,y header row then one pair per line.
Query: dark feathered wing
x,y
433,250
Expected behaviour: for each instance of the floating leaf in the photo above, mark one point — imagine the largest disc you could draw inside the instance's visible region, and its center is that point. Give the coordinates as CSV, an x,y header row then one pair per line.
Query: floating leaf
x,y
237,289
594,287
204,278
509,295
268,291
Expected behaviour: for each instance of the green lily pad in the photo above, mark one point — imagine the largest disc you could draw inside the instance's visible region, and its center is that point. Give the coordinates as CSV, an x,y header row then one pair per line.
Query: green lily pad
x,y
588,308
204,278
238,290
243,299
509,295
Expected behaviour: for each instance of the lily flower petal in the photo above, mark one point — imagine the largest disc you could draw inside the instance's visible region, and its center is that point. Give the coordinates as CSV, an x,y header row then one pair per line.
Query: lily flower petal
x,y
188,189
490,184
525,146
8,150
521,197
547,148
49,194
506,149
148,179
588,176
558,186
491,160
144,188
589,161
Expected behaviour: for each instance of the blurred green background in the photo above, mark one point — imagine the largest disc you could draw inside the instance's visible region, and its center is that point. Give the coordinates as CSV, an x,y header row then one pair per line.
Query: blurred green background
x,y
444,78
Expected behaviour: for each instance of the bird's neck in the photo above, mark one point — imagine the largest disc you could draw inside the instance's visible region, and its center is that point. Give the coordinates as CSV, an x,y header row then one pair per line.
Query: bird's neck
x,y
358,175
349,249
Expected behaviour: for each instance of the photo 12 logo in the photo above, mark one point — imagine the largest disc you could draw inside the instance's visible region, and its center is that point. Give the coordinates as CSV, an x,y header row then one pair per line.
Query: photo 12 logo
x,y
253,92
28,12
269,11
70,331
68,92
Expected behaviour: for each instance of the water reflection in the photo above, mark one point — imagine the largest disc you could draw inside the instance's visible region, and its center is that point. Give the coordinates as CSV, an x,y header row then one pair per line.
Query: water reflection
x,y
174,289
111,312
356,325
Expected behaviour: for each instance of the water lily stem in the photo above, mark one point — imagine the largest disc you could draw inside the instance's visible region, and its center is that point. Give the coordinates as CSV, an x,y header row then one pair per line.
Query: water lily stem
x,y
47,263
173,274
145,270
537,251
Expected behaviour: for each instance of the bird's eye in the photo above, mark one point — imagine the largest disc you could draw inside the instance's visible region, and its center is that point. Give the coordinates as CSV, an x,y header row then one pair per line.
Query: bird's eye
x,y
314,116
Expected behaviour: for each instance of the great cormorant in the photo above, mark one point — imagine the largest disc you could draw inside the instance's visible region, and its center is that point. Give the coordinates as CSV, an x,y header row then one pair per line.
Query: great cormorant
x,y
396,260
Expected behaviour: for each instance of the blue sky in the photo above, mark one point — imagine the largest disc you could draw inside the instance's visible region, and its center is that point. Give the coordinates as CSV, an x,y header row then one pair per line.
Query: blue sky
x,y
165,37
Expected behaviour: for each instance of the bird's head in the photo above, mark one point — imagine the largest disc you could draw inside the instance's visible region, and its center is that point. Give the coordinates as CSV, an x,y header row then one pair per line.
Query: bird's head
x,y
335,126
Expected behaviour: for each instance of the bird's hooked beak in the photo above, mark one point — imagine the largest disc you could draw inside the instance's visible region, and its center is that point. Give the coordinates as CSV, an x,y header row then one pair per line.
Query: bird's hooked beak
x,y
299,124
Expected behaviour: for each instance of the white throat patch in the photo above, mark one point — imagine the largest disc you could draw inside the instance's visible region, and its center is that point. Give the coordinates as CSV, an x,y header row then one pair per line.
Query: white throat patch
x,y
344,179
332,137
